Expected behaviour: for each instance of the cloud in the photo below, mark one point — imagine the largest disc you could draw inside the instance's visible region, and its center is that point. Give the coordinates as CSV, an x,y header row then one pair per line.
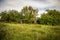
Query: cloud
x,y
42,5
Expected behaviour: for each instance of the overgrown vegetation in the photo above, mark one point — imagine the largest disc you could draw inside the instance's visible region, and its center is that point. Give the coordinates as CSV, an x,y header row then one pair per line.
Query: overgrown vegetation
x,y
29,32
50,18
28,15
25,25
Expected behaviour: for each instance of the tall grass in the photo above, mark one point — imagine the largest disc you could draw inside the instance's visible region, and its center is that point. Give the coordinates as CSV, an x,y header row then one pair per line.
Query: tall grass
x,y
11,31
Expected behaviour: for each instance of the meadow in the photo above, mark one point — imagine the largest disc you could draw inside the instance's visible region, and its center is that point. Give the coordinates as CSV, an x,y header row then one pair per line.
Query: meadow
x,y
16,31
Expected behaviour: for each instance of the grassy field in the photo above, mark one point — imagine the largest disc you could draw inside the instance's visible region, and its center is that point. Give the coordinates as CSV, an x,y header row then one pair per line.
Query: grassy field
x,y
13,31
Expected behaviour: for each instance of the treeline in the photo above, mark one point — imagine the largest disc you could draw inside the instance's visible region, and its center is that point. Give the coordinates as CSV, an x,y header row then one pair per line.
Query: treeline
x,y
52,17
28,15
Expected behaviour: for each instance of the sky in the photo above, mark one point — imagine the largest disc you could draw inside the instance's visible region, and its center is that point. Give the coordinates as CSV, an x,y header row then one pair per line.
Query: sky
x,y
41,5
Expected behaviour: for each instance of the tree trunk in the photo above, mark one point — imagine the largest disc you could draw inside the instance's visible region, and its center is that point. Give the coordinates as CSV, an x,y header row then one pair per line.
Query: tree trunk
x,y
35,21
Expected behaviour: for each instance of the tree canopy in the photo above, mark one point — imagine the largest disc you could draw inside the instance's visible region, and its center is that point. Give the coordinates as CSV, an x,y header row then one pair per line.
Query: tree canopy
x,y
28,15
51,17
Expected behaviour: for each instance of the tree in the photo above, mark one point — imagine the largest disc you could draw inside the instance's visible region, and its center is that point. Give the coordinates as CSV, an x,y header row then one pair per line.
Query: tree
x,y
10,16
52,17
29,14
14,15
3,15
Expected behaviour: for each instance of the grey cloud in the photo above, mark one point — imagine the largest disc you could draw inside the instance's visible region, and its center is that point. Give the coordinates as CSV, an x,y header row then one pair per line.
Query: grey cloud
x,y
18,4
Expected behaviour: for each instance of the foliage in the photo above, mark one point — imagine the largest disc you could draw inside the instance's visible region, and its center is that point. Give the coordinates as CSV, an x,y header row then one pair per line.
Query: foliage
x,y
10,16
27,14
52,17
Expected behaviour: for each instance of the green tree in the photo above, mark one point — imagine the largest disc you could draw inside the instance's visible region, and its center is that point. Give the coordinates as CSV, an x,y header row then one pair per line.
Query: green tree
x,y
14,15
10,16
29,13
52,17
3,15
